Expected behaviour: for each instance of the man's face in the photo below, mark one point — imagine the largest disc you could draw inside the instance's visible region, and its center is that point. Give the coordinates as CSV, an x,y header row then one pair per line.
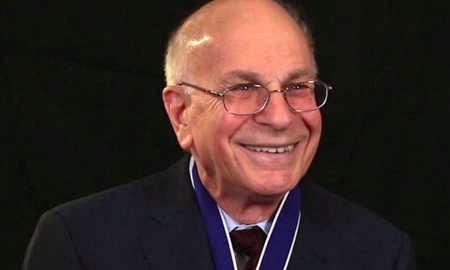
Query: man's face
x,y
233,153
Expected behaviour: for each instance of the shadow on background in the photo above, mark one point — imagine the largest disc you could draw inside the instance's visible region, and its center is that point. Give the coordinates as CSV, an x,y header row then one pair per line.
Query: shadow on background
x,y
81,86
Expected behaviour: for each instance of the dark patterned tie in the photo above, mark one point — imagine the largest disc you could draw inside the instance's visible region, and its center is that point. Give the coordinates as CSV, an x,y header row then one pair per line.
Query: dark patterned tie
x,y
249,242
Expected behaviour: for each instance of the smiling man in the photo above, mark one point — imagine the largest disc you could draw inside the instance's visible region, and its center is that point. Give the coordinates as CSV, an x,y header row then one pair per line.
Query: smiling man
x,y
248,156
244,98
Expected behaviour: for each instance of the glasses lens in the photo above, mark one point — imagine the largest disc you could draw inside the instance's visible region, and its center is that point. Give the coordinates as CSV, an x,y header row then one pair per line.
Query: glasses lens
x,y
307,95
245,99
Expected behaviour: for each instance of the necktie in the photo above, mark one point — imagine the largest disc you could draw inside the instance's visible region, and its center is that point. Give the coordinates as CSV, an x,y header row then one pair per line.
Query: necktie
x,y
249,242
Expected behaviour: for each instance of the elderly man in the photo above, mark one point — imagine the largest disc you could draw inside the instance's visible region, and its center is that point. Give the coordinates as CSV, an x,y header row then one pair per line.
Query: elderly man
x,y
243,98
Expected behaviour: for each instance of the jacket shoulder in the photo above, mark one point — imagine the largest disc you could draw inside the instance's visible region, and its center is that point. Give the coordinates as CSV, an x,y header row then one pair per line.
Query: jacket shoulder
x,y
361,235
105,230
328,208
128,199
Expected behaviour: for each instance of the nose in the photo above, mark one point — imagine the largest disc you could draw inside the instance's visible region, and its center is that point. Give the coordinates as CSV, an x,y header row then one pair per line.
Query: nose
x,y
277,113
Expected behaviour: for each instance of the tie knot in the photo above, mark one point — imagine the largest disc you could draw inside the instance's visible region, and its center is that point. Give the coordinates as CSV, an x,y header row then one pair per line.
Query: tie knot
x,y
249,241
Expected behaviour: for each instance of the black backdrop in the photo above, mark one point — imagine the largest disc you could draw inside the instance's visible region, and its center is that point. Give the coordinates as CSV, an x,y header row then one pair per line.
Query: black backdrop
x,y
80,91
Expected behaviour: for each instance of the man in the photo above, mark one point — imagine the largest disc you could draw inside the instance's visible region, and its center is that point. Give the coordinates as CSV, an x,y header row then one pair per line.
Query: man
x,y
243,98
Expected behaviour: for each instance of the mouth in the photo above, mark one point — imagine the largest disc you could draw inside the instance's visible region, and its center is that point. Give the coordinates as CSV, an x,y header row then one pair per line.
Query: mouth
x,y
271,149
272,157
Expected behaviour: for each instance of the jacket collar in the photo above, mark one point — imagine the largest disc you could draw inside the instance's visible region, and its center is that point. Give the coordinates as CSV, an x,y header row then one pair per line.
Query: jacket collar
x,y
174,235
316,247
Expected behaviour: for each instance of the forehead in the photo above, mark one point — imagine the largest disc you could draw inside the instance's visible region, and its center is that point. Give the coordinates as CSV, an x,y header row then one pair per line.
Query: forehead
x,y
270,45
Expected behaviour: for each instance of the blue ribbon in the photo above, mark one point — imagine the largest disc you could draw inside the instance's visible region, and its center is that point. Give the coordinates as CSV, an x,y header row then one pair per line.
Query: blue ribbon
x,y
279,243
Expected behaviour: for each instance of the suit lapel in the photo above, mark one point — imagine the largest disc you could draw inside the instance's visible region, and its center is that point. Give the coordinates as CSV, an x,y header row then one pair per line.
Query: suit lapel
x,y
316,247
174,235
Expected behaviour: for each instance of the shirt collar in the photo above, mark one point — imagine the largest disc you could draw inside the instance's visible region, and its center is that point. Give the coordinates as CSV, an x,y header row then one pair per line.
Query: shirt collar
x,y
234,225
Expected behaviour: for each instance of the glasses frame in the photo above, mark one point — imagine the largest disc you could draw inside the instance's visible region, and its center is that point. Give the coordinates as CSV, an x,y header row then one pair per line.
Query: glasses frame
x,y
284,90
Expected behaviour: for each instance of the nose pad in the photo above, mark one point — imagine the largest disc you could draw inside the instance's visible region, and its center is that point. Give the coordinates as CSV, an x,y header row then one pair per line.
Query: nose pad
x,y
277,112
278,96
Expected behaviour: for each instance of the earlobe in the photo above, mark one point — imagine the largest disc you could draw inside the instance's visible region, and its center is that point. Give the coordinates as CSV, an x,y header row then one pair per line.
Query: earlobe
x,y
177,106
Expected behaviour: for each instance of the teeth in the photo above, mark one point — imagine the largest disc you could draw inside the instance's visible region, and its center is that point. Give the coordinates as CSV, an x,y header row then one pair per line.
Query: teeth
x,y
281,149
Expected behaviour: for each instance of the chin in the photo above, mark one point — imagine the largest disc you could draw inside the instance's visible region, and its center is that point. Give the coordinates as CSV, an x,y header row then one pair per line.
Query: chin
x,y
275,185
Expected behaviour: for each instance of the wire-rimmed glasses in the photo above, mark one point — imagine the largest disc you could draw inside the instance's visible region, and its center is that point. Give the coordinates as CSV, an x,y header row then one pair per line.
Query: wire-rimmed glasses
x,y
252,98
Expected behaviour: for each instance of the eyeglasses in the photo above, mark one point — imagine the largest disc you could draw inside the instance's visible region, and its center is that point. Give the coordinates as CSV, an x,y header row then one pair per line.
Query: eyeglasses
x,y
250,98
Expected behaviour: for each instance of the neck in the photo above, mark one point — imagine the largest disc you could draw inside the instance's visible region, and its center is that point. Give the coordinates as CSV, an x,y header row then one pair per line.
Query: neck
x,y
243,206
246,211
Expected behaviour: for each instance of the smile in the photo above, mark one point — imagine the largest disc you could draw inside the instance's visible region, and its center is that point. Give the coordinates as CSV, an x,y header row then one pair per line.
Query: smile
x,y
267,149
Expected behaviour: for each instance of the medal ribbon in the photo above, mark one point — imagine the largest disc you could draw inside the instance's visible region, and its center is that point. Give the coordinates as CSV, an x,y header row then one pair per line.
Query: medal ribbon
x,y
280,239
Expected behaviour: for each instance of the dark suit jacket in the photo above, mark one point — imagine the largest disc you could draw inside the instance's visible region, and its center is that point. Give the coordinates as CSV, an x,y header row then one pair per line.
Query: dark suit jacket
x,y
155,223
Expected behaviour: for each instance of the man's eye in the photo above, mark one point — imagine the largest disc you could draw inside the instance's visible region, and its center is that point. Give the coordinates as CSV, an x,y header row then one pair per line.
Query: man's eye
x,y
297,86
243,87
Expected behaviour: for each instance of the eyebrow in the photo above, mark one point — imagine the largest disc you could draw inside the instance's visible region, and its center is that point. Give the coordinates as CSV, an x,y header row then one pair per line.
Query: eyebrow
x,y
250,76
298,74
234,75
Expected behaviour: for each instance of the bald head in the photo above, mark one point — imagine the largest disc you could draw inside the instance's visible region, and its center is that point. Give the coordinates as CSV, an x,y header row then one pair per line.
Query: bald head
x,y
221,22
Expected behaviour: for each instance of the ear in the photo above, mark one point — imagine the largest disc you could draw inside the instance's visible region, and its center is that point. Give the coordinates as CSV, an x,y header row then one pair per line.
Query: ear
x,y
176,103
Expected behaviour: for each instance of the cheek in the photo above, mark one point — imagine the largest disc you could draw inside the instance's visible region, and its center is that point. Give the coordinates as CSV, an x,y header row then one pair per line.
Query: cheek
x,y
206,123
221,142
230,126
314,124
313,121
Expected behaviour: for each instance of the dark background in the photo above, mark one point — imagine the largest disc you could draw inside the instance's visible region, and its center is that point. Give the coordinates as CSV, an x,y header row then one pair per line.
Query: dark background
x,y
80,91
